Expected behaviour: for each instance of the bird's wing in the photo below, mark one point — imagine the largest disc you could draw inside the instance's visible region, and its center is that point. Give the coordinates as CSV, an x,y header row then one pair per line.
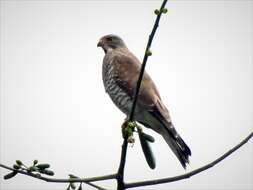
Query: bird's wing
x,y
128,69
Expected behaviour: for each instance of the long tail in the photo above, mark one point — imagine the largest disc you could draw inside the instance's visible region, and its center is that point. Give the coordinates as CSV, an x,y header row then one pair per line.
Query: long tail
x,y
177,144
156,121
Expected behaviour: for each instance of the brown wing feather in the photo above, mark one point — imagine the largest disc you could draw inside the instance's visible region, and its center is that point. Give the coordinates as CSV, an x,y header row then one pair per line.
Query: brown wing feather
x,y
128,68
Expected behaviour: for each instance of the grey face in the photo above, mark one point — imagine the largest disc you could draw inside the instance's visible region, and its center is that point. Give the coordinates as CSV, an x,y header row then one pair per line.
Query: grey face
x,y
110,42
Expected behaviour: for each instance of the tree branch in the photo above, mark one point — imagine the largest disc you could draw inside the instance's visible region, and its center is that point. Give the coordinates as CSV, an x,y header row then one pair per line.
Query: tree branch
x,y
192,173
146,55
58,180
120,174
95,186
135,184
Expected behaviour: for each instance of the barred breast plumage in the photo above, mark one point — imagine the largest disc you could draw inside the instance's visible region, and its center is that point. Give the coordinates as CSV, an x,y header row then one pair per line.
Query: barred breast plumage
x,y
110,75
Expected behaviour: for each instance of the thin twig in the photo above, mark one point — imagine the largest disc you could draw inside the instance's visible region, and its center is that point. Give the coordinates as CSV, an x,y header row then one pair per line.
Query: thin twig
x,y
120,174
95,186
58,180
141,183
145,58
192,173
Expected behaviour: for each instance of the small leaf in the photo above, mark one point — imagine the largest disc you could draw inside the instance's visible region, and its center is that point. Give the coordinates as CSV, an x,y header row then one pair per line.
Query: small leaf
x,y
148,137
47,172
19,162
35,162
164,10
33,168
43,166
149,156
15,166
10,175
157,12
72,185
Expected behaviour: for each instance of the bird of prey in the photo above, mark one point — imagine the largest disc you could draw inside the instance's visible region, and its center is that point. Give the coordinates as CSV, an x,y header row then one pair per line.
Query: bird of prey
x,y
120,74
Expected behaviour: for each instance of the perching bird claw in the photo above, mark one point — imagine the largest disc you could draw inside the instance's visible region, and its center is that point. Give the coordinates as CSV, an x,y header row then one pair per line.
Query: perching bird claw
x,y
127,129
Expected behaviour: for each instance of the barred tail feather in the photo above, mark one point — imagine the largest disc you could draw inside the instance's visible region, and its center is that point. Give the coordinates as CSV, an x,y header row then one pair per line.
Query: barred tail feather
x,y
177,144
164,127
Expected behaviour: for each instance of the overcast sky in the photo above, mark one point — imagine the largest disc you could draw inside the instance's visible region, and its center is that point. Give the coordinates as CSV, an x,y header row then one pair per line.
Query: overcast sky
x,y
54,107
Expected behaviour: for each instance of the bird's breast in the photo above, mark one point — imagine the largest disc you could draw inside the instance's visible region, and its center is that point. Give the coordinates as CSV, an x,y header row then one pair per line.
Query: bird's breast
x,y
120,98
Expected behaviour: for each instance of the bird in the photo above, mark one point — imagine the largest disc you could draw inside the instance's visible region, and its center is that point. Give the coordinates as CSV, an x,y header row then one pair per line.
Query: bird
x,y
120,72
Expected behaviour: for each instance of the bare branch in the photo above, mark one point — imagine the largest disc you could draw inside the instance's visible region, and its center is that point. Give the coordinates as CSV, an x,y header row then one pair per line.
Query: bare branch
x,y
135,184
146,55
58,180
120,174
95,186
192,173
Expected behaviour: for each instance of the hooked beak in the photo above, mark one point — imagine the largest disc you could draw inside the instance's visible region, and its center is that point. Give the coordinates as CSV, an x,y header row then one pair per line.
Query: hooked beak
x,y
100,43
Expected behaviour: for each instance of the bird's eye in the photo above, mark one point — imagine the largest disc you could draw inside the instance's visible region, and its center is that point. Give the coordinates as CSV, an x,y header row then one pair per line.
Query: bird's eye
x,y
109,39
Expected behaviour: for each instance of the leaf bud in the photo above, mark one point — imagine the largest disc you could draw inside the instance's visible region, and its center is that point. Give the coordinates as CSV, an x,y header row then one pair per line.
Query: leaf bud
x,y
19,162
164,10
157,12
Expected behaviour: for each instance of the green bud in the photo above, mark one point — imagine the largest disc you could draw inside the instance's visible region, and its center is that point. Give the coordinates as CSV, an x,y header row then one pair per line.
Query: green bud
x,y
35,162
43,166
10,175
19,162
15,166
157,12
33,168
49,172
148,53
164,10
131,125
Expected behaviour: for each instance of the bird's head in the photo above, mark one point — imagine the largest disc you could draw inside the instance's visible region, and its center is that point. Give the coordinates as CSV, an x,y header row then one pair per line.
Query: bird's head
x,y
110,42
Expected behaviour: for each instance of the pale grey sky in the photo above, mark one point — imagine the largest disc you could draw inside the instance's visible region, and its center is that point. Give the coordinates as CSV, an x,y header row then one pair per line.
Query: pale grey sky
x,y
54,107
